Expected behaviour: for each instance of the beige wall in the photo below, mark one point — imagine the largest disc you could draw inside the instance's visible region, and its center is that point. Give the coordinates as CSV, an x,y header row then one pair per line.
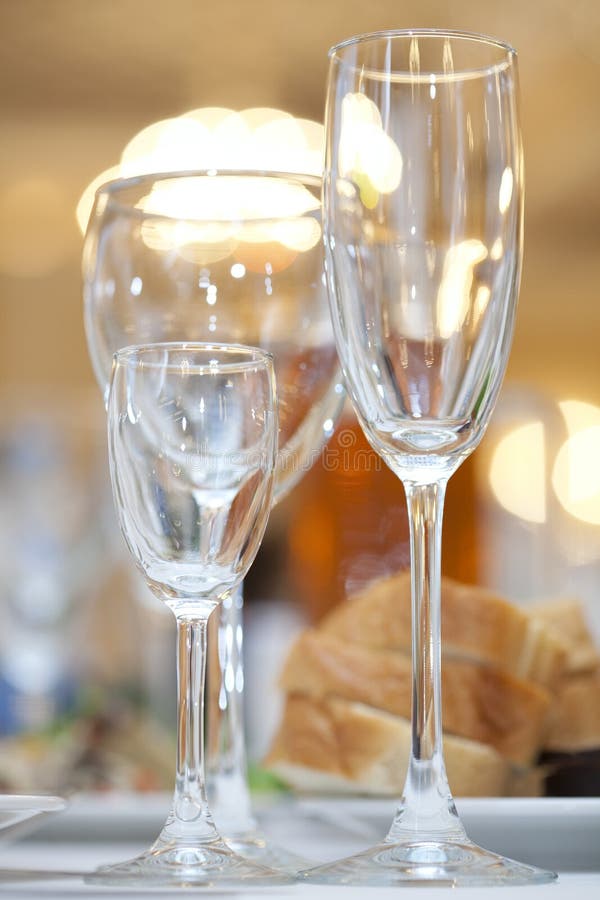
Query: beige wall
x,y
78,78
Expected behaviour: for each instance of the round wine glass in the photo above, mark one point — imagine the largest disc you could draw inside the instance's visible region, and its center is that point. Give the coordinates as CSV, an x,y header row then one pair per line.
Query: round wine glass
x,y
423,229
192,435
227,256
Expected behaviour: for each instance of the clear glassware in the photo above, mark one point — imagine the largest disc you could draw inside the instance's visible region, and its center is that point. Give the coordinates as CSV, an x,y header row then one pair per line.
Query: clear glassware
x,y
423,209
192,435
224,256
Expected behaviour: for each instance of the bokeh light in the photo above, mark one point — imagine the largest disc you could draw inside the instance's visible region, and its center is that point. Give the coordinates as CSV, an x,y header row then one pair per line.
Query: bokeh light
x,y
518,472
576,471
255,139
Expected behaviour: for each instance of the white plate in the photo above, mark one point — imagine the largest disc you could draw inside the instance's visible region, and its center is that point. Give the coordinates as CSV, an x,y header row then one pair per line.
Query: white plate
x,y
110,816
21,812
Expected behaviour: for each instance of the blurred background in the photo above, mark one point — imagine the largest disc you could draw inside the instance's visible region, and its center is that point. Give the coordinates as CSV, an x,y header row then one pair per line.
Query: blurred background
x,y
77,81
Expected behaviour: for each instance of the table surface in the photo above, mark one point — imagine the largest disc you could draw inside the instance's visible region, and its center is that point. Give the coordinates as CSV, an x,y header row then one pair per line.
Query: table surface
x,y
31,867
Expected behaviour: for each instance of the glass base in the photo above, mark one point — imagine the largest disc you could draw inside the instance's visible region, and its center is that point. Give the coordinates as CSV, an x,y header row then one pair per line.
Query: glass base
x,y
256,847
451,863
212,864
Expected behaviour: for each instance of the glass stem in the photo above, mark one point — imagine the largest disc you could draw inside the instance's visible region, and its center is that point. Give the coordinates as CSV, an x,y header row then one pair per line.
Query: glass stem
x,y
190,819
427,809
226,768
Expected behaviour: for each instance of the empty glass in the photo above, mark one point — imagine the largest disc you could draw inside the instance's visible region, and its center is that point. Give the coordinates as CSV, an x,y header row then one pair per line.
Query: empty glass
x,y
423,223
192,432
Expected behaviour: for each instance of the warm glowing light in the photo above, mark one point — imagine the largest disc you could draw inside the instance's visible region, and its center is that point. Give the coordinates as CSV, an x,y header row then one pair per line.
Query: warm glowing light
x,y
228,198
255,139
367,155
454,295
576,473
297,234
229,134
518,472
579,415
286,144
209,217
167,146
506,189
198,242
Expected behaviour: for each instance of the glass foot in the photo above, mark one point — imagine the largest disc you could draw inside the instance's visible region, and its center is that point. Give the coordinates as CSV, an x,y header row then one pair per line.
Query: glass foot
x,y
212,864
452,863
256,847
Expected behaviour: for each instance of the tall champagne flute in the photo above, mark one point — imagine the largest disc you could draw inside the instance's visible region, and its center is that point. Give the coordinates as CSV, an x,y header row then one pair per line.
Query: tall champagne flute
x,y
225,256
423,228
192,438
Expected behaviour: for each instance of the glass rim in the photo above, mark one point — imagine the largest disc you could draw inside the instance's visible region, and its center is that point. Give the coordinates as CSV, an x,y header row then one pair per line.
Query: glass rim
x,y
510,54
113,188
132,355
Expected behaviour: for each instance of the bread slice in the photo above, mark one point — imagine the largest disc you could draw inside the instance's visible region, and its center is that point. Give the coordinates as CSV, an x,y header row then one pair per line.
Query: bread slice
x,y
331,745
565,620
476,624
574,722
479,702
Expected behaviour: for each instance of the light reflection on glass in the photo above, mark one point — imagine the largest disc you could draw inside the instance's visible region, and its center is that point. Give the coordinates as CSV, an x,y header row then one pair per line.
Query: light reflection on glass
x,y
506,190
454,295
368,156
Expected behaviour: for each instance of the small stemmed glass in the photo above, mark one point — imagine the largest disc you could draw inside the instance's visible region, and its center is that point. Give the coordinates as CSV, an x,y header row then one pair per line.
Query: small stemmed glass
x,y
192,433
423,223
